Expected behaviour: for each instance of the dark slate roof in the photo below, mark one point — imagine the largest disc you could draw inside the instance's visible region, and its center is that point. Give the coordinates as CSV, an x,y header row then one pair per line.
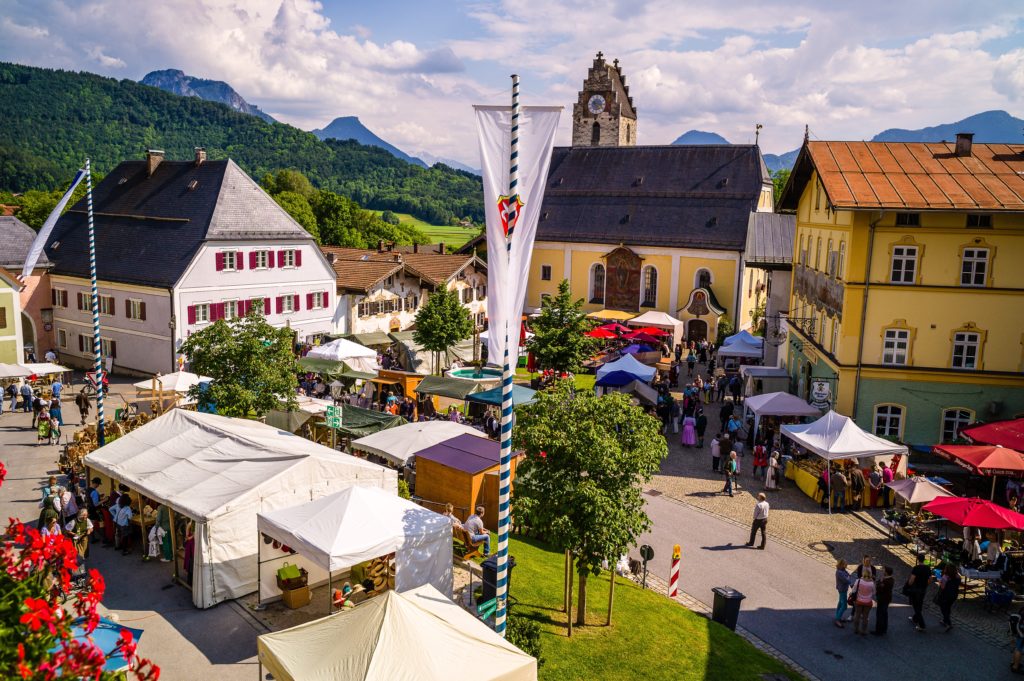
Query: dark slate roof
x,y
149,228
770,239
679,196
15,239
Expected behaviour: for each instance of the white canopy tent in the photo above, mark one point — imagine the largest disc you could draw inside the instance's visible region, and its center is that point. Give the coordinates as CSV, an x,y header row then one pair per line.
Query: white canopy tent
x,y
746,337
357,357
741,348
45,368
362,523
835,436
401,443
179,382
629,364
220,472
14,371
776,404
418,635
661,320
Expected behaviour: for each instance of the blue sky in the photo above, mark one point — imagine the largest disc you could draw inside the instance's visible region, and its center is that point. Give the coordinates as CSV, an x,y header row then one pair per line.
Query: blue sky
x,y
411,70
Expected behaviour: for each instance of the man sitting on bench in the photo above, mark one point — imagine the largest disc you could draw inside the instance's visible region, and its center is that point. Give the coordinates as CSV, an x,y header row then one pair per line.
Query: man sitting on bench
x,y
474,525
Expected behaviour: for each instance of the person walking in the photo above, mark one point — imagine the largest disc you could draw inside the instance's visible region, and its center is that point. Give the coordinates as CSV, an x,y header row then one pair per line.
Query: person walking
x,y
843,587
883,597
760,521
691,362
26,399
916,588
839,484
760,464
716,453
730,473
689,437
83,404
701,426
55,413
12,395
949,585
857,485
771,477
122,524
874,485
863,597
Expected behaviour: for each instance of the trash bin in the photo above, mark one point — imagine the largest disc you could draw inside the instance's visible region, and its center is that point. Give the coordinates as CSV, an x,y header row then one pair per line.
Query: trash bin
x,y
489,570
726,609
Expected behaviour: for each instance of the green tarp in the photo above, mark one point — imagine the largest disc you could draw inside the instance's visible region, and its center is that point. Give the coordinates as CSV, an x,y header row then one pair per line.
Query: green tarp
x,y
401,336
371,339
331,368
289,421
357,422
455,388
520,395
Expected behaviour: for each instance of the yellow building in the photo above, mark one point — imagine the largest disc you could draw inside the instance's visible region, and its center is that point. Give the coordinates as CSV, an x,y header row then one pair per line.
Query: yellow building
x,y
636,228
907,304
10,319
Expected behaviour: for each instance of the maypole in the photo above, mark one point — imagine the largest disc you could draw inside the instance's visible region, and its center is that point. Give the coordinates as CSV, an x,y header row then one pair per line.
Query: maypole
x,y
96,345
505,472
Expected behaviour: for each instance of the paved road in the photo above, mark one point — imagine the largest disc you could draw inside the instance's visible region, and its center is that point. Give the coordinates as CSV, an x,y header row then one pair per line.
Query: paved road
x,y
790,602
219,643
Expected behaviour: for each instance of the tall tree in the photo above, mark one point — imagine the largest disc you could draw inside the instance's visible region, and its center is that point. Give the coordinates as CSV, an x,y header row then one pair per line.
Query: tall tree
x,y
779,179
580,484
252,365
559,342
441,323
298,207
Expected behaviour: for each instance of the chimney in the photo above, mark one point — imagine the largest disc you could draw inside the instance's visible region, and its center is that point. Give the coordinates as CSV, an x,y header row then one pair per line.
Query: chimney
x,y
153,159
200,155
397,257
332,258
380,245
964,141
415,248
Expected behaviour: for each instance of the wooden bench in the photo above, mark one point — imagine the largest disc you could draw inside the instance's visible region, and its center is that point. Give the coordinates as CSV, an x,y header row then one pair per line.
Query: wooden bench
x,y
471,549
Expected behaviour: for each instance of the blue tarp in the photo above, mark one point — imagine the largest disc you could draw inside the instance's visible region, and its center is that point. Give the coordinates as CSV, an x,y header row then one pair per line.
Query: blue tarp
x,y
616,379
636,348
106,636
631,365
520,395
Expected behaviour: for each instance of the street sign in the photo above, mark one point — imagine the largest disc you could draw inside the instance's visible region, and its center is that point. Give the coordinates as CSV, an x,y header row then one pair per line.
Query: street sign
x,y
333,412
647,553
334,422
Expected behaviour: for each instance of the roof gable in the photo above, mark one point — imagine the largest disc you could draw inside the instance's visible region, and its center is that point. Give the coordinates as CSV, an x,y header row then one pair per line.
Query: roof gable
x,y
244,211
15,240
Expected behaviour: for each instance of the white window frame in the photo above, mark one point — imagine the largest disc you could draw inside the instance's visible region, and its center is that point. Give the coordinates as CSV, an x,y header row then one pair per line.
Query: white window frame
x,y
319,300
288,303
230,261
202,313
892,413
644,286
62,338
891,350
287,258
545,272
61,294
105,347
963,342
906,256
972,265
111,308
262,260
230,309
955,416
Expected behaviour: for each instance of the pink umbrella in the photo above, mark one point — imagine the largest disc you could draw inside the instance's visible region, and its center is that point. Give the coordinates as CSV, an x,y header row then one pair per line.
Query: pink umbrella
x,y
653,331
614,326
976,513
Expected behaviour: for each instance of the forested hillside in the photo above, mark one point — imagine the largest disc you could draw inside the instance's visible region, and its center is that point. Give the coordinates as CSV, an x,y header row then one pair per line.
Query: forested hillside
x,y
50,120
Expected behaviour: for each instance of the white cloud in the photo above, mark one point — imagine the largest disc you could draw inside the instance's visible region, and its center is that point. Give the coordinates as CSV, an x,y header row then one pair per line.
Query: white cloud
x,y
105,60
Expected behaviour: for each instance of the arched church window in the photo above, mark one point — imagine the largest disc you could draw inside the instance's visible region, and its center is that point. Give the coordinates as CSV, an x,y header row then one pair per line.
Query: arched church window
x,y
595,134
650,292
597,283
703,279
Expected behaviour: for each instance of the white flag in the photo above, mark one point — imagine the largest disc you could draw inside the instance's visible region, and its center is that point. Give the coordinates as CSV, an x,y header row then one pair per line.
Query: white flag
x,y
508,271
44,233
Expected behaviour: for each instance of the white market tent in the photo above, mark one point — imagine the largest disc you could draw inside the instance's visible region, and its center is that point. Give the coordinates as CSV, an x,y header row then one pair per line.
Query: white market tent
x,y
14,371
741,348
630,365
362,523
45,368
220,472
744,336
765,379
662,321
357,357
418,635
399,444
776,404
179,382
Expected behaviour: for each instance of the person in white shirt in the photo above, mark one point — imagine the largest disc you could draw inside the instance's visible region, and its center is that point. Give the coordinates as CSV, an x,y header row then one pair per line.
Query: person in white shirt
x,y
50,356
760,521
122,524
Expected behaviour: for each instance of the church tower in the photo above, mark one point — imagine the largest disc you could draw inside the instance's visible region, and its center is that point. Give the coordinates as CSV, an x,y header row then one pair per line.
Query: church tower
x,y
604,116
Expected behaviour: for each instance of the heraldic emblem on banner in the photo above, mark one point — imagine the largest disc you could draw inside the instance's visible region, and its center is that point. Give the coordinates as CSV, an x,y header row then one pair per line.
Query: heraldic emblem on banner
x,y
509,208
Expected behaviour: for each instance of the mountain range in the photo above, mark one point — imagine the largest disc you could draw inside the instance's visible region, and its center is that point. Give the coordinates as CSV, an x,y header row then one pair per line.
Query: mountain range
x,y
988,126
180,83
350,128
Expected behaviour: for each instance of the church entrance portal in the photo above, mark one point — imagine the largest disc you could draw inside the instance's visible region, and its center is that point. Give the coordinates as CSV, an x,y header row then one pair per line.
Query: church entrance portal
x,y
696,330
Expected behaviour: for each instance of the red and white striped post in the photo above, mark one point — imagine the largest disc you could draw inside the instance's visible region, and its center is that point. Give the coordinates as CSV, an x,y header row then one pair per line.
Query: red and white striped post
x,y
673,582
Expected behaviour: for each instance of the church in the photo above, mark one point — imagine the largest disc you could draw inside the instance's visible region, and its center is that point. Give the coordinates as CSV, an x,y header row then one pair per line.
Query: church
x,y
648,228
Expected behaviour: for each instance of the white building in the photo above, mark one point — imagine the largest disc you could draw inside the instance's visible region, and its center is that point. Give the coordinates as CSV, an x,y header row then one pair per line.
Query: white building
x,y
181,244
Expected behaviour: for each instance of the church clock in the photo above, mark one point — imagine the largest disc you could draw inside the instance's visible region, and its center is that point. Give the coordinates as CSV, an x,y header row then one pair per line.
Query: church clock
x,y
596,104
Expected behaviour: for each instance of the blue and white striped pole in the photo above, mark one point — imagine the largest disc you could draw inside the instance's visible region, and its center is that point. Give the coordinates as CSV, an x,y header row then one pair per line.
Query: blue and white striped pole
x,y
505,472
96,346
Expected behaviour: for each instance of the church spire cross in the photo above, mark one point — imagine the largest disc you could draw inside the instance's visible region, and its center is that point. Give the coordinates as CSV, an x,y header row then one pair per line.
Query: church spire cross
x,y
600,55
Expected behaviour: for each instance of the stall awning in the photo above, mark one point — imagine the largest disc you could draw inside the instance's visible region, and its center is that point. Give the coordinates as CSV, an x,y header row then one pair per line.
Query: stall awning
x,y
612,315
464,453
289,421
455,388
520,395
372,338
45,368
359,422
1005,433
332,368
779,404
14,371
401,336
984,459
835,436
401,443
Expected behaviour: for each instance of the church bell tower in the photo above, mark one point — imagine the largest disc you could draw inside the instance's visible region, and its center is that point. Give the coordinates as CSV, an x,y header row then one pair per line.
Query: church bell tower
x,y
603,115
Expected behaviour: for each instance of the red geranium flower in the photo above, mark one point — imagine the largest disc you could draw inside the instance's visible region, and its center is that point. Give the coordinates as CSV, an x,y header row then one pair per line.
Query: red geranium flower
x,y
39,614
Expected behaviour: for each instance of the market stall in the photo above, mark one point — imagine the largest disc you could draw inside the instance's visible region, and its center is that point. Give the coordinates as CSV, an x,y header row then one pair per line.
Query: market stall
x,y
357,357
776,404
741,349
418,634
628,365
170,389
660,320
986,460
357,525
835,437
215,474
643,392
399,444
758,380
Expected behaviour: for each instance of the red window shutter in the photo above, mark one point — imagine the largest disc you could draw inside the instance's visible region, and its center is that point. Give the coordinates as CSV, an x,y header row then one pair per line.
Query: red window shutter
x,y
327,298
53,297
220,261
252,260
239,261
298,258
295,303
280,304
266,307
309,301
191,314
142,311
270,258
81,343
280,258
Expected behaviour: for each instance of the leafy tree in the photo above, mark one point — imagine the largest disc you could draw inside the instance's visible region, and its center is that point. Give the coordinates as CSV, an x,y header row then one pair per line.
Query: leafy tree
x,y
390,218
559,342
251,363
725,329
587,458
298,207
779,179
441,323
287,180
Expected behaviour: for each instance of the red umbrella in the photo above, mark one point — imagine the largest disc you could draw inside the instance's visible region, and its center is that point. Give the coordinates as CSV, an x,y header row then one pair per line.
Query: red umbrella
x,y
1005,433
642,338
976,513
600,332
614,326
984,460
653,331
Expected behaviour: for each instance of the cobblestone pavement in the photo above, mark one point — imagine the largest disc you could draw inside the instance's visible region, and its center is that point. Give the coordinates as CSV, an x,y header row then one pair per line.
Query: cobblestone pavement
x,y
801,524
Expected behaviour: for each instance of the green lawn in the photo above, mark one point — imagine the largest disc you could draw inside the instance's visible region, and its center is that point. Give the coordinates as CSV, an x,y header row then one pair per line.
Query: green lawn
x,y
582,381
454,236
651,637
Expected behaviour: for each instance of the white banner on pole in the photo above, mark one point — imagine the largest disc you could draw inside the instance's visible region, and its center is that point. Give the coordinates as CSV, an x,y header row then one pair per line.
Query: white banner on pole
x,y
507,277
34,251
